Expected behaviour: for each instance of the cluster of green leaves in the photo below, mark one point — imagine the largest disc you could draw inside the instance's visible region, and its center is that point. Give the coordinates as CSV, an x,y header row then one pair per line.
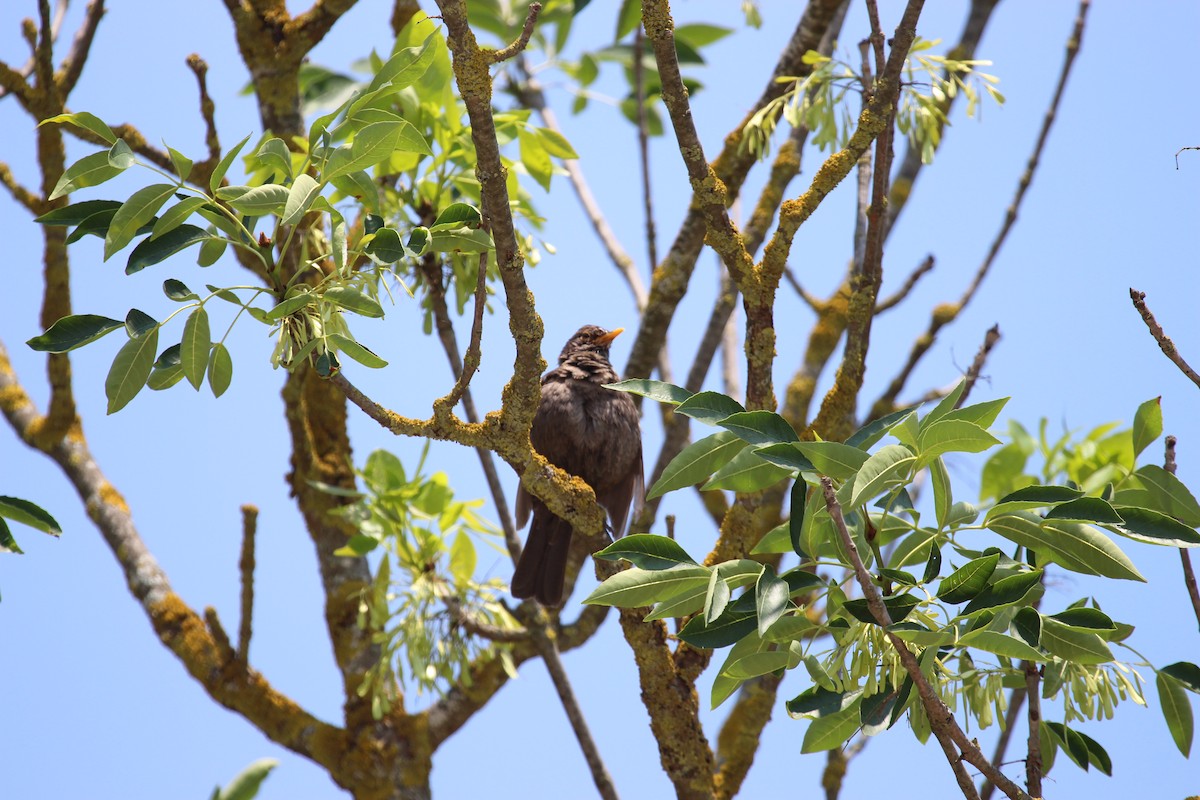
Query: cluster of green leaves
x,y
973,626
426,542
382,181
818,100
26,513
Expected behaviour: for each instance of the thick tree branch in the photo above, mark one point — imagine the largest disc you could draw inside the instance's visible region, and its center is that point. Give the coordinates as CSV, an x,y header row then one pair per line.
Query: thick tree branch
x,y
72,66
1033,758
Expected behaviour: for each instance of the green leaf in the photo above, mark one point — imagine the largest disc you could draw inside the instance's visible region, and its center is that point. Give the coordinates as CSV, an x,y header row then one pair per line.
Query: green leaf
x,y
121,156
406,65
872,432
735,624
259,201
1028,624
1020,588
303,192
30,514
8,544
195,347
755,664
245,785
659,391
356,351
640,587
290,306
697,462
274,155
838,461
76,213
1176,710
1072,743
1086,619
1042,495
629,17
1167,494
138,323
1147,424
1152,527
73,331
176,214
152,251
214,181
359,185
135,212
220,369
1097,756
385,245
1085,509
898,608
646,551
1002,645
746,472
1089,547
90,170
130,370
169,358
462,557
716,598
798,500
735,574
535,158
816,702
943,498
770,598
833,730
709,407
375,143
556,144
1074,645
457,215
982,414
966,582
460,240
82,119
759,427
418,240
933,564
944,406
953,436
353,300
1186,673
699,34
886,469
786,455
182,164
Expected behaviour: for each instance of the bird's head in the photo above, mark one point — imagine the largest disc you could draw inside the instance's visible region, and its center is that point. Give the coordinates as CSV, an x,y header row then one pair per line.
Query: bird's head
x,y
589,339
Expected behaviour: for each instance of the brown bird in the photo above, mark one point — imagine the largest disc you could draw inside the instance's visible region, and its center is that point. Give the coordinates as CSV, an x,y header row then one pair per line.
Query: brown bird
x,y
592,433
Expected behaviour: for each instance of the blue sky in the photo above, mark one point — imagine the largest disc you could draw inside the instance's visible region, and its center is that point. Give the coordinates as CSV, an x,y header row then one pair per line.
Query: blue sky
x,y
95,707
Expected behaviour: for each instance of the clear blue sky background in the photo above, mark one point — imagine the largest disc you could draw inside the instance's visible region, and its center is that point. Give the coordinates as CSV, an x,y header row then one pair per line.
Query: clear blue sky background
x,y
94,706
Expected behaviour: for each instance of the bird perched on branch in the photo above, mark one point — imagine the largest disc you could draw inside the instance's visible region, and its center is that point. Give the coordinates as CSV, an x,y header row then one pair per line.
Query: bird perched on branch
x,y
592,433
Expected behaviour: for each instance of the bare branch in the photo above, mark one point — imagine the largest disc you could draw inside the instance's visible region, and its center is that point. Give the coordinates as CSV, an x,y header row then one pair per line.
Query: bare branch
x,y
1189,574
32,203
470,362
989,341
310,27
72,66
522,41
1164,342
1033,758
1016,701
246,568
199,68
894,300
643,138
1177,152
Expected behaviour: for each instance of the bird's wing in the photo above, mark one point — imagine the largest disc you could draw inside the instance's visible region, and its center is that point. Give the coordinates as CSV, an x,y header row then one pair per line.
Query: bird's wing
x,y
616,501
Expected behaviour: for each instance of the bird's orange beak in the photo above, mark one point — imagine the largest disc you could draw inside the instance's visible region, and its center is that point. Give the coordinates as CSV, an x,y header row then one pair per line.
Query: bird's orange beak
x,y
608,337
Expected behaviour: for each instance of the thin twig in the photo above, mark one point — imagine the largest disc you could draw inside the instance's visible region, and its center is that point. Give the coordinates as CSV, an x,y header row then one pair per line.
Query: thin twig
x,y
894,300
470,362
522,41
544,640
643,137
946,313
1177,152
199,68
989,341
1185,557
1033,759
472,624
246,568
1016,702
1160,336
941,719
72,66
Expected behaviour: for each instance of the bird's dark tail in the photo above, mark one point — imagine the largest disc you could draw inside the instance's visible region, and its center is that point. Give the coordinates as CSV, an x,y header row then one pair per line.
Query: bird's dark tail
x,y
542,568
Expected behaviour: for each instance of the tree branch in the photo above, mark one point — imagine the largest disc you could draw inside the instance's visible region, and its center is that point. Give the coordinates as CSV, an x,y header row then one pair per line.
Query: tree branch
x,y
72,66
1033,759
643,140
1189,574
1016,702
522,41
246,568
989,341
894,300
941,719
1164,342
24,196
